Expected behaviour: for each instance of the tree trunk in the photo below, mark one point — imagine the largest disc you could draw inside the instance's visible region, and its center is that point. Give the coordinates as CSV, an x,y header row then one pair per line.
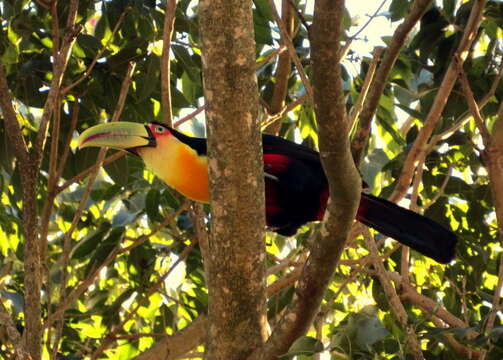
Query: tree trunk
x,y
236,253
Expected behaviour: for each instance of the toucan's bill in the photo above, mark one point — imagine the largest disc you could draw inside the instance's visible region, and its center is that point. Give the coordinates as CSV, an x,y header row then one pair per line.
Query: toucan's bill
x,y
117,135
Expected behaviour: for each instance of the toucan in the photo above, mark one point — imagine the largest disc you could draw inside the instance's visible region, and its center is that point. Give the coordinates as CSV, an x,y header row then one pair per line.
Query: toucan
x,y
296,188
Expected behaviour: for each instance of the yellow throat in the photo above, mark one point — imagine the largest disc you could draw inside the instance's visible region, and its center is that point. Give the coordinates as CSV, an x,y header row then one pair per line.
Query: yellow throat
x,y
179,166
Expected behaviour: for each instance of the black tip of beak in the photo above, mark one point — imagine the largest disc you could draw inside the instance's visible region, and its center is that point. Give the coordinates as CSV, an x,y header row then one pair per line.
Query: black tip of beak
x,y
151,138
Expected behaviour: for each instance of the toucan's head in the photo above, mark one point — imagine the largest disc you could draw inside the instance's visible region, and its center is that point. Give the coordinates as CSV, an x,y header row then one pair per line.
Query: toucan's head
x,y
177,159
127,136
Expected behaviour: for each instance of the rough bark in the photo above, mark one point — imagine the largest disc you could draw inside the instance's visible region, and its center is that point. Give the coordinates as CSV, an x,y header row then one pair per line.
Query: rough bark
x,y
236,251
29,172
343,180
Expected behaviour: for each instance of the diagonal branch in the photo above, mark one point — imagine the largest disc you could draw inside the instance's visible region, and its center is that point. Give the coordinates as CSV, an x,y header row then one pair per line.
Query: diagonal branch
x,y
367,84
287,40
372,101
420,144
111,336
472,104
194,334
393,299
100,52
91,278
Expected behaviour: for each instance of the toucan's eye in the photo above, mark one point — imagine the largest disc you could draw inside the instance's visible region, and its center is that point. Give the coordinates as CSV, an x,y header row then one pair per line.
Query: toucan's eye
x,y
159,129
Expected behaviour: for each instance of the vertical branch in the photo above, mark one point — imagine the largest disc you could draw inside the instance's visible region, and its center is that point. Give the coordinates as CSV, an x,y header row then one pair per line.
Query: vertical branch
x,y
29,164
31,342
282,70
32,335
343,178
68,235
55,29
59,67
169,22
372,101
493,157
52,188
236,251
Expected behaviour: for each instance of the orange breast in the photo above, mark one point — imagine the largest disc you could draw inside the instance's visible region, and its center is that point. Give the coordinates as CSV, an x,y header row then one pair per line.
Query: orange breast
x,y
179,166
192,179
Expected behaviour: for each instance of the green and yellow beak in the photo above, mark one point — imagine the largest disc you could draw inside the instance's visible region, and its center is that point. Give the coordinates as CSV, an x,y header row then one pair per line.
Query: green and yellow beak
x,y
118,135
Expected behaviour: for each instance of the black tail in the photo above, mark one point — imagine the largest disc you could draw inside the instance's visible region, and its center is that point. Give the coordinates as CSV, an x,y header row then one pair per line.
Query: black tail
x,y
409,228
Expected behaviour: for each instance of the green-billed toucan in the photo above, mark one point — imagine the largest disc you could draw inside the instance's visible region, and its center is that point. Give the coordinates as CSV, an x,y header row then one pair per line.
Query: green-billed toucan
x,y
296,188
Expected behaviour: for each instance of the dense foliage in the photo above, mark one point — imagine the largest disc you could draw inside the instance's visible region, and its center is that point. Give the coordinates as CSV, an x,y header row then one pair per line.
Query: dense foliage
x,y
120,263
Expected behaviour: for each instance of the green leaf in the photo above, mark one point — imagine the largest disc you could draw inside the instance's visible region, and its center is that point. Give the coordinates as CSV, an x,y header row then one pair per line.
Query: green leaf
x,y
152,202
89,244
105,247
305,345
398,9
89,44
414,113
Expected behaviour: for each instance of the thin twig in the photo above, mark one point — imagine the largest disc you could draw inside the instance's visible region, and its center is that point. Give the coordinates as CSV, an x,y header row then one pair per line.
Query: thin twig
x,y
393,299
381,77
90,68
278,116
89,170
300,14
66,148
60,62
84,284
189,116
110,338
440,191
472,104
350,39
268,58
286,40
466,117
370,19
367,84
